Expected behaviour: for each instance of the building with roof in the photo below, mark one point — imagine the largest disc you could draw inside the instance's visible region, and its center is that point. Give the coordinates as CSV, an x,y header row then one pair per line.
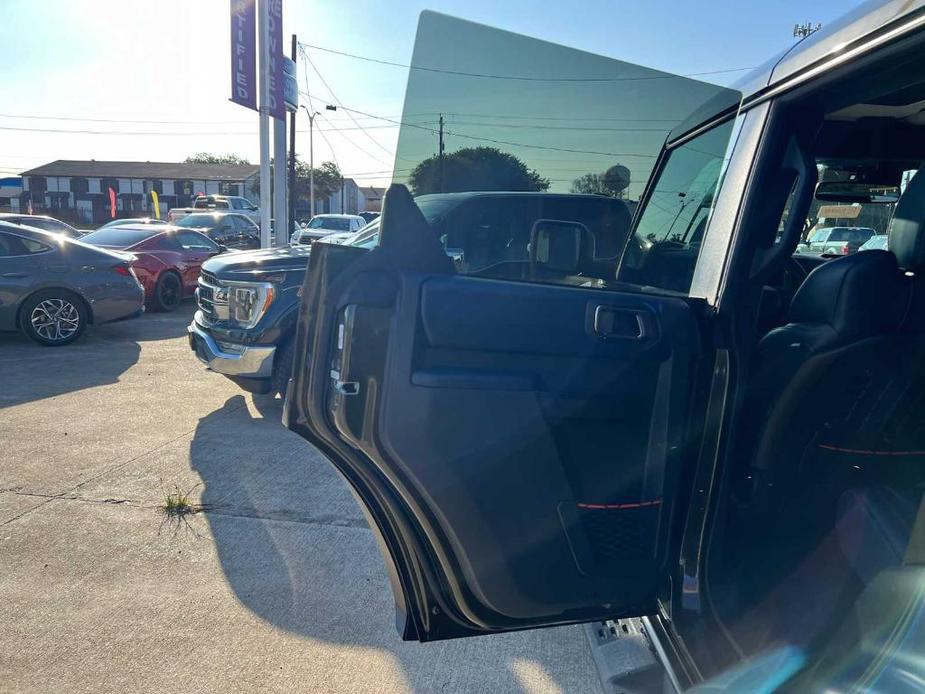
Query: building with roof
x,y
78,191
370,199
10,189
351,198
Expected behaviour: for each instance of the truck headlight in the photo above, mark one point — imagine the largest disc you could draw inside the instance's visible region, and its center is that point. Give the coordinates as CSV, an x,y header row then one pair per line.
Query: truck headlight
x,y
249,301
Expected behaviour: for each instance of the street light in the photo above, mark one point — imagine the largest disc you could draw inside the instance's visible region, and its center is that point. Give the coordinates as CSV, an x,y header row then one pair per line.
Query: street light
x,y
311,153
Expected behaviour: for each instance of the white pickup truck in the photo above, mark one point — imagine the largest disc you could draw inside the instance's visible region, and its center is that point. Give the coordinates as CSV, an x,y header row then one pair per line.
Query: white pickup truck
x,y
232,203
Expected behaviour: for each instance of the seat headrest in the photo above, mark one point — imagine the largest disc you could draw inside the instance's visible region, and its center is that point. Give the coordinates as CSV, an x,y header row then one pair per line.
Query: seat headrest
x,y
907,229
858,296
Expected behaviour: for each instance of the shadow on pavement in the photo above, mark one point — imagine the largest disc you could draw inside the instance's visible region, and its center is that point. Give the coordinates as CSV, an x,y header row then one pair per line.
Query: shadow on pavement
x,y
295,549
30,372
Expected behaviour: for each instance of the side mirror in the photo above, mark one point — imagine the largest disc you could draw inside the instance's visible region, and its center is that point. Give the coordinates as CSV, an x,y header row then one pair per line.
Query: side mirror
x,y
561,247
221,248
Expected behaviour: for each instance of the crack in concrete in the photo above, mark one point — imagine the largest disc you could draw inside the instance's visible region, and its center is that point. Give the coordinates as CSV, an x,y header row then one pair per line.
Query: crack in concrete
x,y
118,466
226,511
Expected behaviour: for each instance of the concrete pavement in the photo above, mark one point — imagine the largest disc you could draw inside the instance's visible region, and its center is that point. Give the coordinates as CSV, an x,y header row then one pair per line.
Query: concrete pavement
x,y
277,585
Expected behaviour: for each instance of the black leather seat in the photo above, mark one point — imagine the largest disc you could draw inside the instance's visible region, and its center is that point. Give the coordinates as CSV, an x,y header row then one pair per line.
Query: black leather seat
x,y
843,321
838,391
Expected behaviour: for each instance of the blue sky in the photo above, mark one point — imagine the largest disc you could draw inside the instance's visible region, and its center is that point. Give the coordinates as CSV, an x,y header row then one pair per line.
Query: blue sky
x,y
78,72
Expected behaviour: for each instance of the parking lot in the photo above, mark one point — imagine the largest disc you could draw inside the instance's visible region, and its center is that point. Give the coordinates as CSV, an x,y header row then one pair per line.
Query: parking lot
x,y
277,583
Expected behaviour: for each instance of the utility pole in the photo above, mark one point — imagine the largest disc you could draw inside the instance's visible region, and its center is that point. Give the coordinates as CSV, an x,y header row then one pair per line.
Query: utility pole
x,y
311,153
311,158
291,216
263,24
441,148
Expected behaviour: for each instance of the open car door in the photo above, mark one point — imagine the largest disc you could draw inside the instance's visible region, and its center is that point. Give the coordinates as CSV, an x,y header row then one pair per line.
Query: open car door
x,y
517,446
516,441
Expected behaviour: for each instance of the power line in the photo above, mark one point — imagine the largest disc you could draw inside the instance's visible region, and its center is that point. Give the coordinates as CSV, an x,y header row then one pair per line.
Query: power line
x,y
123,120
334,96
558,127
500,142
554,118
354,144
161,133
520,78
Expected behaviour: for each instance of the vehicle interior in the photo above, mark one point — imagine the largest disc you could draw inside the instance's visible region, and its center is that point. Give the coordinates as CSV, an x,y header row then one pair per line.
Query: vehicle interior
x,y
815,530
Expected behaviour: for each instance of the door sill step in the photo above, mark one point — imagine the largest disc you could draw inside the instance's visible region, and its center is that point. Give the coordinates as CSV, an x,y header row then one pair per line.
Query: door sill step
x,y
623,656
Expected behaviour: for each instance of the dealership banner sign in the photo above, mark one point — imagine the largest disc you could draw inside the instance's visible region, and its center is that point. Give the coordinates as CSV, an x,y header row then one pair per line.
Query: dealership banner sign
x,y
276,106
244,52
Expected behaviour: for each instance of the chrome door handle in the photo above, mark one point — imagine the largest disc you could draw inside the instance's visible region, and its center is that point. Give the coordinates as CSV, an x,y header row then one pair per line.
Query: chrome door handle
x,y
344,387
14,274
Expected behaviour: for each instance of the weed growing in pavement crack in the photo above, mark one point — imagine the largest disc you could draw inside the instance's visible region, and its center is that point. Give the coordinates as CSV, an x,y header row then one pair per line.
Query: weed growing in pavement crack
x,y
177,503
177,506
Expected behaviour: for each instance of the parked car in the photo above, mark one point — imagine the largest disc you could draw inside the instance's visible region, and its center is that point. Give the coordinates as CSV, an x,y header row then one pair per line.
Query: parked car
x,y
36,221
219,203
134,221
339,236
52,287
369,216
879,242
228,229
254,349
539,441
838,240
166,261
321,225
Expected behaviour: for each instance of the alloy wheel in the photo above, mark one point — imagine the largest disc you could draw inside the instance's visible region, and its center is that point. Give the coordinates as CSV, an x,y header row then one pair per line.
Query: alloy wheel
x,y
169,292
55,319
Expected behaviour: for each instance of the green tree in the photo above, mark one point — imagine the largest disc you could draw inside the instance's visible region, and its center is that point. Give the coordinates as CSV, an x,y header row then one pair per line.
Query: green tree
x,y
613,182
475,168
327,181
588,184
207,158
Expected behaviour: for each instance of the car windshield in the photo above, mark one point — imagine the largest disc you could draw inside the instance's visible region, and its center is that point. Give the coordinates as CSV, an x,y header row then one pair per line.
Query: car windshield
x,y
199,221
118,237
332,223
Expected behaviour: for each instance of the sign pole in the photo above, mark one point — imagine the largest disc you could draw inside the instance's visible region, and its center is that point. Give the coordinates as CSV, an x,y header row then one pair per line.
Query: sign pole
x,y
280,208
263,23
292,113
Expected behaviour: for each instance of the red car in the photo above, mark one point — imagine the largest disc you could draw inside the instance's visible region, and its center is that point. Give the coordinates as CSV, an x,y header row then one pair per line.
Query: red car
x,y
167,259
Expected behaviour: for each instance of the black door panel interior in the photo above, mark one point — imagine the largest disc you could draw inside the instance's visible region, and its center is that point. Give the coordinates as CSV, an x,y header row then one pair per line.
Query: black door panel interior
x,y
538,455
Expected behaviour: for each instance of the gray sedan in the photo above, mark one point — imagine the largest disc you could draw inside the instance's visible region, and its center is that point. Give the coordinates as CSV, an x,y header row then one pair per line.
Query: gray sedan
x,y
51,287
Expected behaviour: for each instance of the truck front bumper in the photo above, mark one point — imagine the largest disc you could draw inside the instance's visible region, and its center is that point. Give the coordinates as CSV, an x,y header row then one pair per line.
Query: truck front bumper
x,y
246,361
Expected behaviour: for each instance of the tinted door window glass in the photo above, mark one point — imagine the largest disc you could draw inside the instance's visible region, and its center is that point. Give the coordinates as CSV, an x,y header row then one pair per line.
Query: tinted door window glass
x,y
190,240
666,241
33,246
8,245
